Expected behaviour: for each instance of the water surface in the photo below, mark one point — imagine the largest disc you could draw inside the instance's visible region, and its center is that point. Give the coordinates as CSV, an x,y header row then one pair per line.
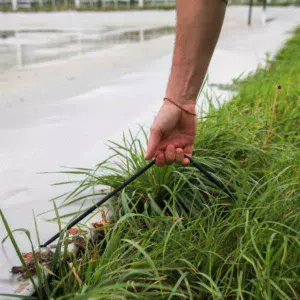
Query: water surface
x,y
26,47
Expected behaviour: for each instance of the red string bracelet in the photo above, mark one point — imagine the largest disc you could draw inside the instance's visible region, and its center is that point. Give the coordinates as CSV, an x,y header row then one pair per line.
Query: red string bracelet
x,y
183,109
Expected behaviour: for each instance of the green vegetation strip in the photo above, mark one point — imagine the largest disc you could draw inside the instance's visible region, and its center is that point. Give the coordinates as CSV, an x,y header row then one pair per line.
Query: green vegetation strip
x,y
35,7
59,6
175,235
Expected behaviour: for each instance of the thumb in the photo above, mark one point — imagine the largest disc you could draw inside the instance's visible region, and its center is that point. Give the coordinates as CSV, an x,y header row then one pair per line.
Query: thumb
x,y
154,139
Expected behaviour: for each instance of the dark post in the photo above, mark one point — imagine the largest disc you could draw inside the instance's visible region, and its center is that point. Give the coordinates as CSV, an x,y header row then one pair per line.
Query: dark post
x,y
264,5
264,16
250,12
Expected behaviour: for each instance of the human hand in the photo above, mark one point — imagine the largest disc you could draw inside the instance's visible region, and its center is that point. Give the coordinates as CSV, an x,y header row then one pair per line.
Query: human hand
x,y
172,135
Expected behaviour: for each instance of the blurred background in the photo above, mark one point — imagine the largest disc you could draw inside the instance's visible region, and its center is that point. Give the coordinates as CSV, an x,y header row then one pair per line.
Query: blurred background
x,y
75,74
112,4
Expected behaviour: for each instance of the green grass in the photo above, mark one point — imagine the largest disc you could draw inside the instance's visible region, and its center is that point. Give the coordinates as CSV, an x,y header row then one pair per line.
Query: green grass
x,y
71,6
175,235
35,7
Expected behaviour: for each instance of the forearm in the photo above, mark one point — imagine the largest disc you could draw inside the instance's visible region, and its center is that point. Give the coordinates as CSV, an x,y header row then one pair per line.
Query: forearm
x,y
199,23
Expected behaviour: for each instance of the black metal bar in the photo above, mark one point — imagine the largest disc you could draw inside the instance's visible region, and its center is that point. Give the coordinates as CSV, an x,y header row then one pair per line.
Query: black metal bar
x,y
102,201
213,179
250,12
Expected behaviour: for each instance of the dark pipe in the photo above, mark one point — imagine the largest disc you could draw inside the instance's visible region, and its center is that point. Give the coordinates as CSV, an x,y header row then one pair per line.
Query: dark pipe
x,y
213,179
102,201
210,177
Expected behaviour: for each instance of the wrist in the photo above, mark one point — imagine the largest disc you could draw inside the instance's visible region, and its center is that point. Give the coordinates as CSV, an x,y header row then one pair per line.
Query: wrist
x,y
188,108
182,101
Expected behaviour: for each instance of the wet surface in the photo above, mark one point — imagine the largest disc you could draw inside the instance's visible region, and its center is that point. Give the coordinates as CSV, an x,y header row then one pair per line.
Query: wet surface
x,y
26,47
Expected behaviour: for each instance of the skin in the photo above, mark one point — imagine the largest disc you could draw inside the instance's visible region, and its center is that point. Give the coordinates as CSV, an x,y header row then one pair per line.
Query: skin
x,y
173,131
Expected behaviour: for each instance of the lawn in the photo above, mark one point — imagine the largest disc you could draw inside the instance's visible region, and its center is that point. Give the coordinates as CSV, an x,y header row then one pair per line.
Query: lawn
x,y
174,234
